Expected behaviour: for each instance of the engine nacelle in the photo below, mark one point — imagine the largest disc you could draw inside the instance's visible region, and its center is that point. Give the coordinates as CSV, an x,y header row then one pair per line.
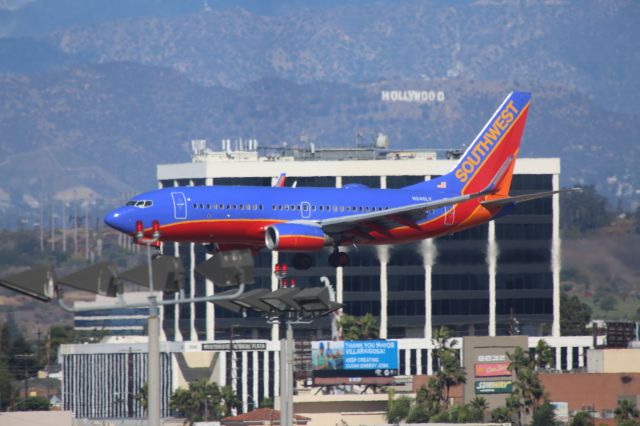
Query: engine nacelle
x,y
295,237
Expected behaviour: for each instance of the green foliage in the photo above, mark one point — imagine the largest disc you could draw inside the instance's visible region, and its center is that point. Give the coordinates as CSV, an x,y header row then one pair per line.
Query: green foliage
x,y
204,401
7,391
607,303
501,415
266,403
450,372
480,405
574,316
397,409
583,211
544,415
34,403
418,414
626,410
527,389
358,328
582,418
17,248
143,396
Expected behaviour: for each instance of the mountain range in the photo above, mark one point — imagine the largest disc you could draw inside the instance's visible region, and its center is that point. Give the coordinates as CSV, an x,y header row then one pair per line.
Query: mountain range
x,y
94,97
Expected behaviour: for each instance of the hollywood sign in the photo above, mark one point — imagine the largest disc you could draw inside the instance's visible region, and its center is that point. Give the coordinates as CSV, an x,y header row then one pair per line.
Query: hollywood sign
x,y
417,96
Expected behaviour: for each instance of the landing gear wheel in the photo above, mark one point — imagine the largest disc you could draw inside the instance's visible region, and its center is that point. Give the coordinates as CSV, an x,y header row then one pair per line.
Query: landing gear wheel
x,y
338,258
302,262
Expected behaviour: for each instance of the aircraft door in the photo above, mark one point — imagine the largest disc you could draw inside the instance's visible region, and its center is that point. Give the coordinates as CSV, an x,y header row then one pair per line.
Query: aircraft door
x,y
305,210
449,215
179,205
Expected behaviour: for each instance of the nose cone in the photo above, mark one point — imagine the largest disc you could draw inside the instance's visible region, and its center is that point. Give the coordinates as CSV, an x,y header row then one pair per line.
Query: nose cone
x,y
121,220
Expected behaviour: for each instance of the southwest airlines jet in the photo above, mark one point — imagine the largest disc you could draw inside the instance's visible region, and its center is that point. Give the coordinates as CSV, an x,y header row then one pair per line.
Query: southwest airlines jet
x,y
305,220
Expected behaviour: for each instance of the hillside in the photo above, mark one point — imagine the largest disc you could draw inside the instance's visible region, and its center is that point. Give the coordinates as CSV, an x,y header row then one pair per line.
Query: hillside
x,y
603,265
90,102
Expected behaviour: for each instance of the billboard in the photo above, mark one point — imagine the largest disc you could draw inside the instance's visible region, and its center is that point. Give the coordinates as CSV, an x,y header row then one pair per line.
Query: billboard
x,y
496,369
355,358
499,386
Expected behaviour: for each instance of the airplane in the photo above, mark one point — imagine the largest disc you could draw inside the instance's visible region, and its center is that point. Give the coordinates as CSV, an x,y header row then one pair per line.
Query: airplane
x,y
305,220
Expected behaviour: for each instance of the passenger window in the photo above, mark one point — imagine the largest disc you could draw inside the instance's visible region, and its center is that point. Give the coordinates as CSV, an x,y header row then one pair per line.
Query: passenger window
x,y
341,208
195,206
335,208
241,206
247,206
255,207
209,206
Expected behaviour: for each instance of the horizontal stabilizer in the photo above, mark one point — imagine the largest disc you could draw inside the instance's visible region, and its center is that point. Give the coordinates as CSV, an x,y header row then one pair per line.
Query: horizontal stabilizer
x,y
522,198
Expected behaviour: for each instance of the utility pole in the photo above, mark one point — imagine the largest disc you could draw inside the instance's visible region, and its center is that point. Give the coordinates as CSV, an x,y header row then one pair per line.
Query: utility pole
x,y
64,227
86,232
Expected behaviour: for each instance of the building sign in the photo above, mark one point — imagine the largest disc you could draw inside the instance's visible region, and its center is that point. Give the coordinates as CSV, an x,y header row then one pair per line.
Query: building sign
x,y
492,358
417,96
496,369
499,386
237,346
562,410
355,358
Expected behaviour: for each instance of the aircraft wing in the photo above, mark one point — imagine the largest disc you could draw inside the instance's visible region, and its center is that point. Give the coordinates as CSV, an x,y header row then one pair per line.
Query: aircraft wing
x,y
522,198
383,220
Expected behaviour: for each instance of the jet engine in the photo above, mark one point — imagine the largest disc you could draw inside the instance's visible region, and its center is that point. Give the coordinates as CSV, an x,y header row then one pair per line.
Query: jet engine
x,y
295,237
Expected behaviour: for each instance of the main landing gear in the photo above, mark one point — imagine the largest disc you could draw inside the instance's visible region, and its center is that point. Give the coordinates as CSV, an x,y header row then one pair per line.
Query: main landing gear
x,y
338,258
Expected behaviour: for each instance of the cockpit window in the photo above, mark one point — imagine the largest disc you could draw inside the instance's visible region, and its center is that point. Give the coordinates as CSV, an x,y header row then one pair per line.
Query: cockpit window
x,y
141,204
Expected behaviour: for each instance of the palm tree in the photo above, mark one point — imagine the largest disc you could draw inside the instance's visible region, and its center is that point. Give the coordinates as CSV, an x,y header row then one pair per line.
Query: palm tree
x,y
354,328
543,354
480,405
369,327
450,372
626,410
142,396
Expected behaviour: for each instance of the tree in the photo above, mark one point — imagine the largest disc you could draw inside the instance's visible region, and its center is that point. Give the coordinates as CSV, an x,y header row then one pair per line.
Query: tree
x,y
583,211
582,418
358,328
266,403
574,316
418,414
544,415
543,354
203,401
34,403
501,415
7,391
479,405
608,303
626,410
450,372
143,396
527,389
397,409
